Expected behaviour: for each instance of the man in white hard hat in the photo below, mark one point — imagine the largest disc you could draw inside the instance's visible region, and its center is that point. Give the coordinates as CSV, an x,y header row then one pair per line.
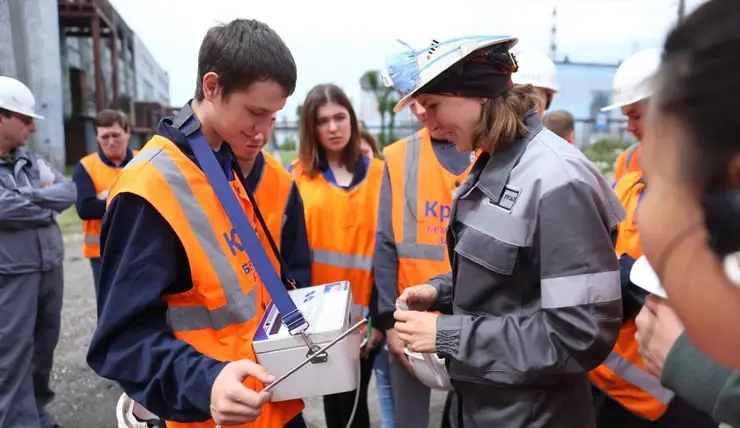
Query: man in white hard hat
x,y
630,91
31,255
538,70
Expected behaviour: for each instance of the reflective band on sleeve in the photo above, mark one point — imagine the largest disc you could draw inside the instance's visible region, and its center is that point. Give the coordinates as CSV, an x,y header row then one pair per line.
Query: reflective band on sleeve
x,y
240,307
577,290
409,247
92,239
341,260
638,377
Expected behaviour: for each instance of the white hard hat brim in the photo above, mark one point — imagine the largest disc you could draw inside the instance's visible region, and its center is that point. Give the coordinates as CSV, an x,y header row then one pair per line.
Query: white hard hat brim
x,y
615,106
24,113
409,98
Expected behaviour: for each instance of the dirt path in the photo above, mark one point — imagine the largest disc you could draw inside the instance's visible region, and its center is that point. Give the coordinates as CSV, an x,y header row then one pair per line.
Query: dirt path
x,y
85,400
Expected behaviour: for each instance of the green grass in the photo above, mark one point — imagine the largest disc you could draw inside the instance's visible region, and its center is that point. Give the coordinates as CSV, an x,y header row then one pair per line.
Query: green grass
x,y
288,156
68,220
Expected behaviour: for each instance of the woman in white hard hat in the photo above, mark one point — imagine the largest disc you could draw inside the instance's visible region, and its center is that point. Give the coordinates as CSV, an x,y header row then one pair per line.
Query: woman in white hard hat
x,y
538,70
534,284
691,160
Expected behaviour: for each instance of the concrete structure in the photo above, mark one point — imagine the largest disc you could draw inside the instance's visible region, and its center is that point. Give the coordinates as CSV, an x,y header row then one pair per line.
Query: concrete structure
x,y
30,52
152,81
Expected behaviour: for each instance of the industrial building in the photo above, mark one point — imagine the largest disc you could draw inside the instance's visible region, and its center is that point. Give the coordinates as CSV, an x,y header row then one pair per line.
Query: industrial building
x,y
79,57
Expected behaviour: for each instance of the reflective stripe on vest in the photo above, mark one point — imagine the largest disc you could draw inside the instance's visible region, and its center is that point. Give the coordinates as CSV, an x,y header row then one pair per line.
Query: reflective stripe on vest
x,y
219,315
420,213
408,247
240,307
621,375
638,377
341,227
102,176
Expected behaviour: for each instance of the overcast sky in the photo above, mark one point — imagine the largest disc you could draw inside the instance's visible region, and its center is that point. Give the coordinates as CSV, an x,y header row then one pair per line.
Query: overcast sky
x,y
338,40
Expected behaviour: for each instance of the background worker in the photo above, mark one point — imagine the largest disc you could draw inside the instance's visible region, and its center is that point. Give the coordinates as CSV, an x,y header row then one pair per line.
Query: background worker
x,y
538,70
32,193
421,172
340,189
631,88
94,174
562,123
178,303
628,395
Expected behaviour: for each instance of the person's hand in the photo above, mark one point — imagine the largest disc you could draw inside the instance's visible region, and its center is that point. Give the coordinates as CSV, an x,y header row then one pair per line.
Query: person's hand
x,y
419,297
232,403
418,330
396,347
658,328
376,336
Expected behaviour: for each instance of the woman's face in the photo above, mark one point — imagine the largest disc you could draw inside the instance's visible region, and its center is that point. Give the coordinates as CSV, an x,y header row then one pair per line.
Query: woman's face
x,y
453,118
333,127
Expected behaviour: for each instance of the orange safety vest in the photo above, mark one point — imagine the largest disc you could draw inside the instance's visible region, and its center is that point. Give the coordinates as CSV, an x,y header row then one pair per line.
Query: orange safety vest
x,y
272,194
621,375
341,228
219,315
421,191
628,161
102,176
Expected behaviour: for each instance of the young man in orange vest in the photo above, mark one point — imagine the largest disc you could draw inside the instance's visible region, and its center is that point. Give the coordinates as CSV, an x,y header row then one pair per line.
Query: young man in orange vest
x,y
421,172
93,176
179,296
628,396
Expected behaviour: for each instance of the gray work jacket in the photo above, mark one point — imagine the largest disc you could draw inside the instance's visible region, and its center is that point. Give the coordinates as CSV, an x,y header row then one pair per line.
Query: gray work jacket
x,y
534,286
31,195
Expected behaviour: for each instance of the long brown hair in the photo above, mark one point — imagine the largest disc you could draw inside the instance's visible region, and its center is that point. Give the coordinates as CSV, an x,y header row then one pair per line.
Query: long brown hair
x,y
310,146
502,118
367,136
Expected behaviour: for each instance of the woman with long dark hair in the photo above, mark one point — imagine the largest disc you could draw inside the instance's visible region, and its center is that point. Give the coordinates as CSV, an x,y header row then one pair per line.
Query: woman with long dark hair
x,y
340,190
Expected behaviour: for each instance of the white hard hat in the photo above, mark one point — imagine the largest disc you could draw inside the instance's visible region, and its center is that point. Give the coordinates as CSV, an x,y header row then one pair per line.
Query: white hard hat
x,y
413,69
16,97
536,69
633,79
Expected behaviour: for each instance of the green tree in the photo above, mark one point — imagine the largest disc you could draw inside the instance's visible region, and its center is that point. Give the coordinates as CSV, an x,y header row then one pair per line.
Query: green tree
x,y
603,154
288,144
386,98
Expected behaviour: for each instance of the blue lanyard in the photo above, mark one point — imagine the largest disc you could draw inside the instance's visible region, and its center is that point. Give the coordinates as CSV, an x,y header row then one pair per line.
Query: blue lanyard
x,y
291,316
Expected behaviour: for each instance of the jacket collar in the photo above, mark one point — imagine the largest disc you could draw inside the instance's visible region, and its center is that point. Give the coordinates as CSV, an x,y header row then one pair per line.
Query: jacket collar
x,y
494,170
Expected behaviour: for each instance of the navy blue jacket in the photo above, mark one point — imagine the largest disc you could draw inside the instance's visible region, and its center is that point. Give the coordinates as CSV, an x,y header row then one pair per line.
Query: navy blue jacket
x,y
89,207
142,259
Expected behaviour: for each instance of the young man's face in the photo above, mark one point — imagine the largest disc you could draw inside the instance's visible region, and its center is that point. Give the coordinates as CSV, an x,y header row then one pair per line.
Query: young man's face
x,y
242,115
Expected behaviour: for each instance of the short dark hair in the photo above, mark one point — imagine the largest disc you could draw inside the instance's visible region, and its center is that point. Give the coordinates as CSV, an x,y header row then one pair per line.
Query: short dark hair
x,y
108,117
242,52
560,122
697,87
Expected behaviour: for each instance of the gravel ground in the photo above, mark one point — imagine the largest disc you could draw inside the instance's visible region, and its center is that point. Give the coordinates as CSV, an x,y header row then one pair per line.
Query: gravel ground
x,y
86,400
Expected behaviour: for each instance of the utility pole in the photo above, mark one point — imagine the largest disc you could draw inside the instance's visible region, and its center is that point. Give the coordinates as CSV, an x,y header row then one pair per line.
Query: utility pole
x,y
681,10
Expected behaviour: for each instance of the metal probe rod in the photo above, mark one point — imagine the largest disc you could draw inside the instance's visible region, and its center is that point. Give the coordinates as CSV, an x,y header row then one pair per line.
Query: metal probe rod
x,y
308,360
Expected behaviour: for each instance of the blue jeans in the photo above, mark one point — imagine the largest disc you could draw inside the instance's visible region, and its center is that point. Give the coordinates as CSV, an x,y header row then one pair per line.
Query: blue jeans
x,y
385,393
